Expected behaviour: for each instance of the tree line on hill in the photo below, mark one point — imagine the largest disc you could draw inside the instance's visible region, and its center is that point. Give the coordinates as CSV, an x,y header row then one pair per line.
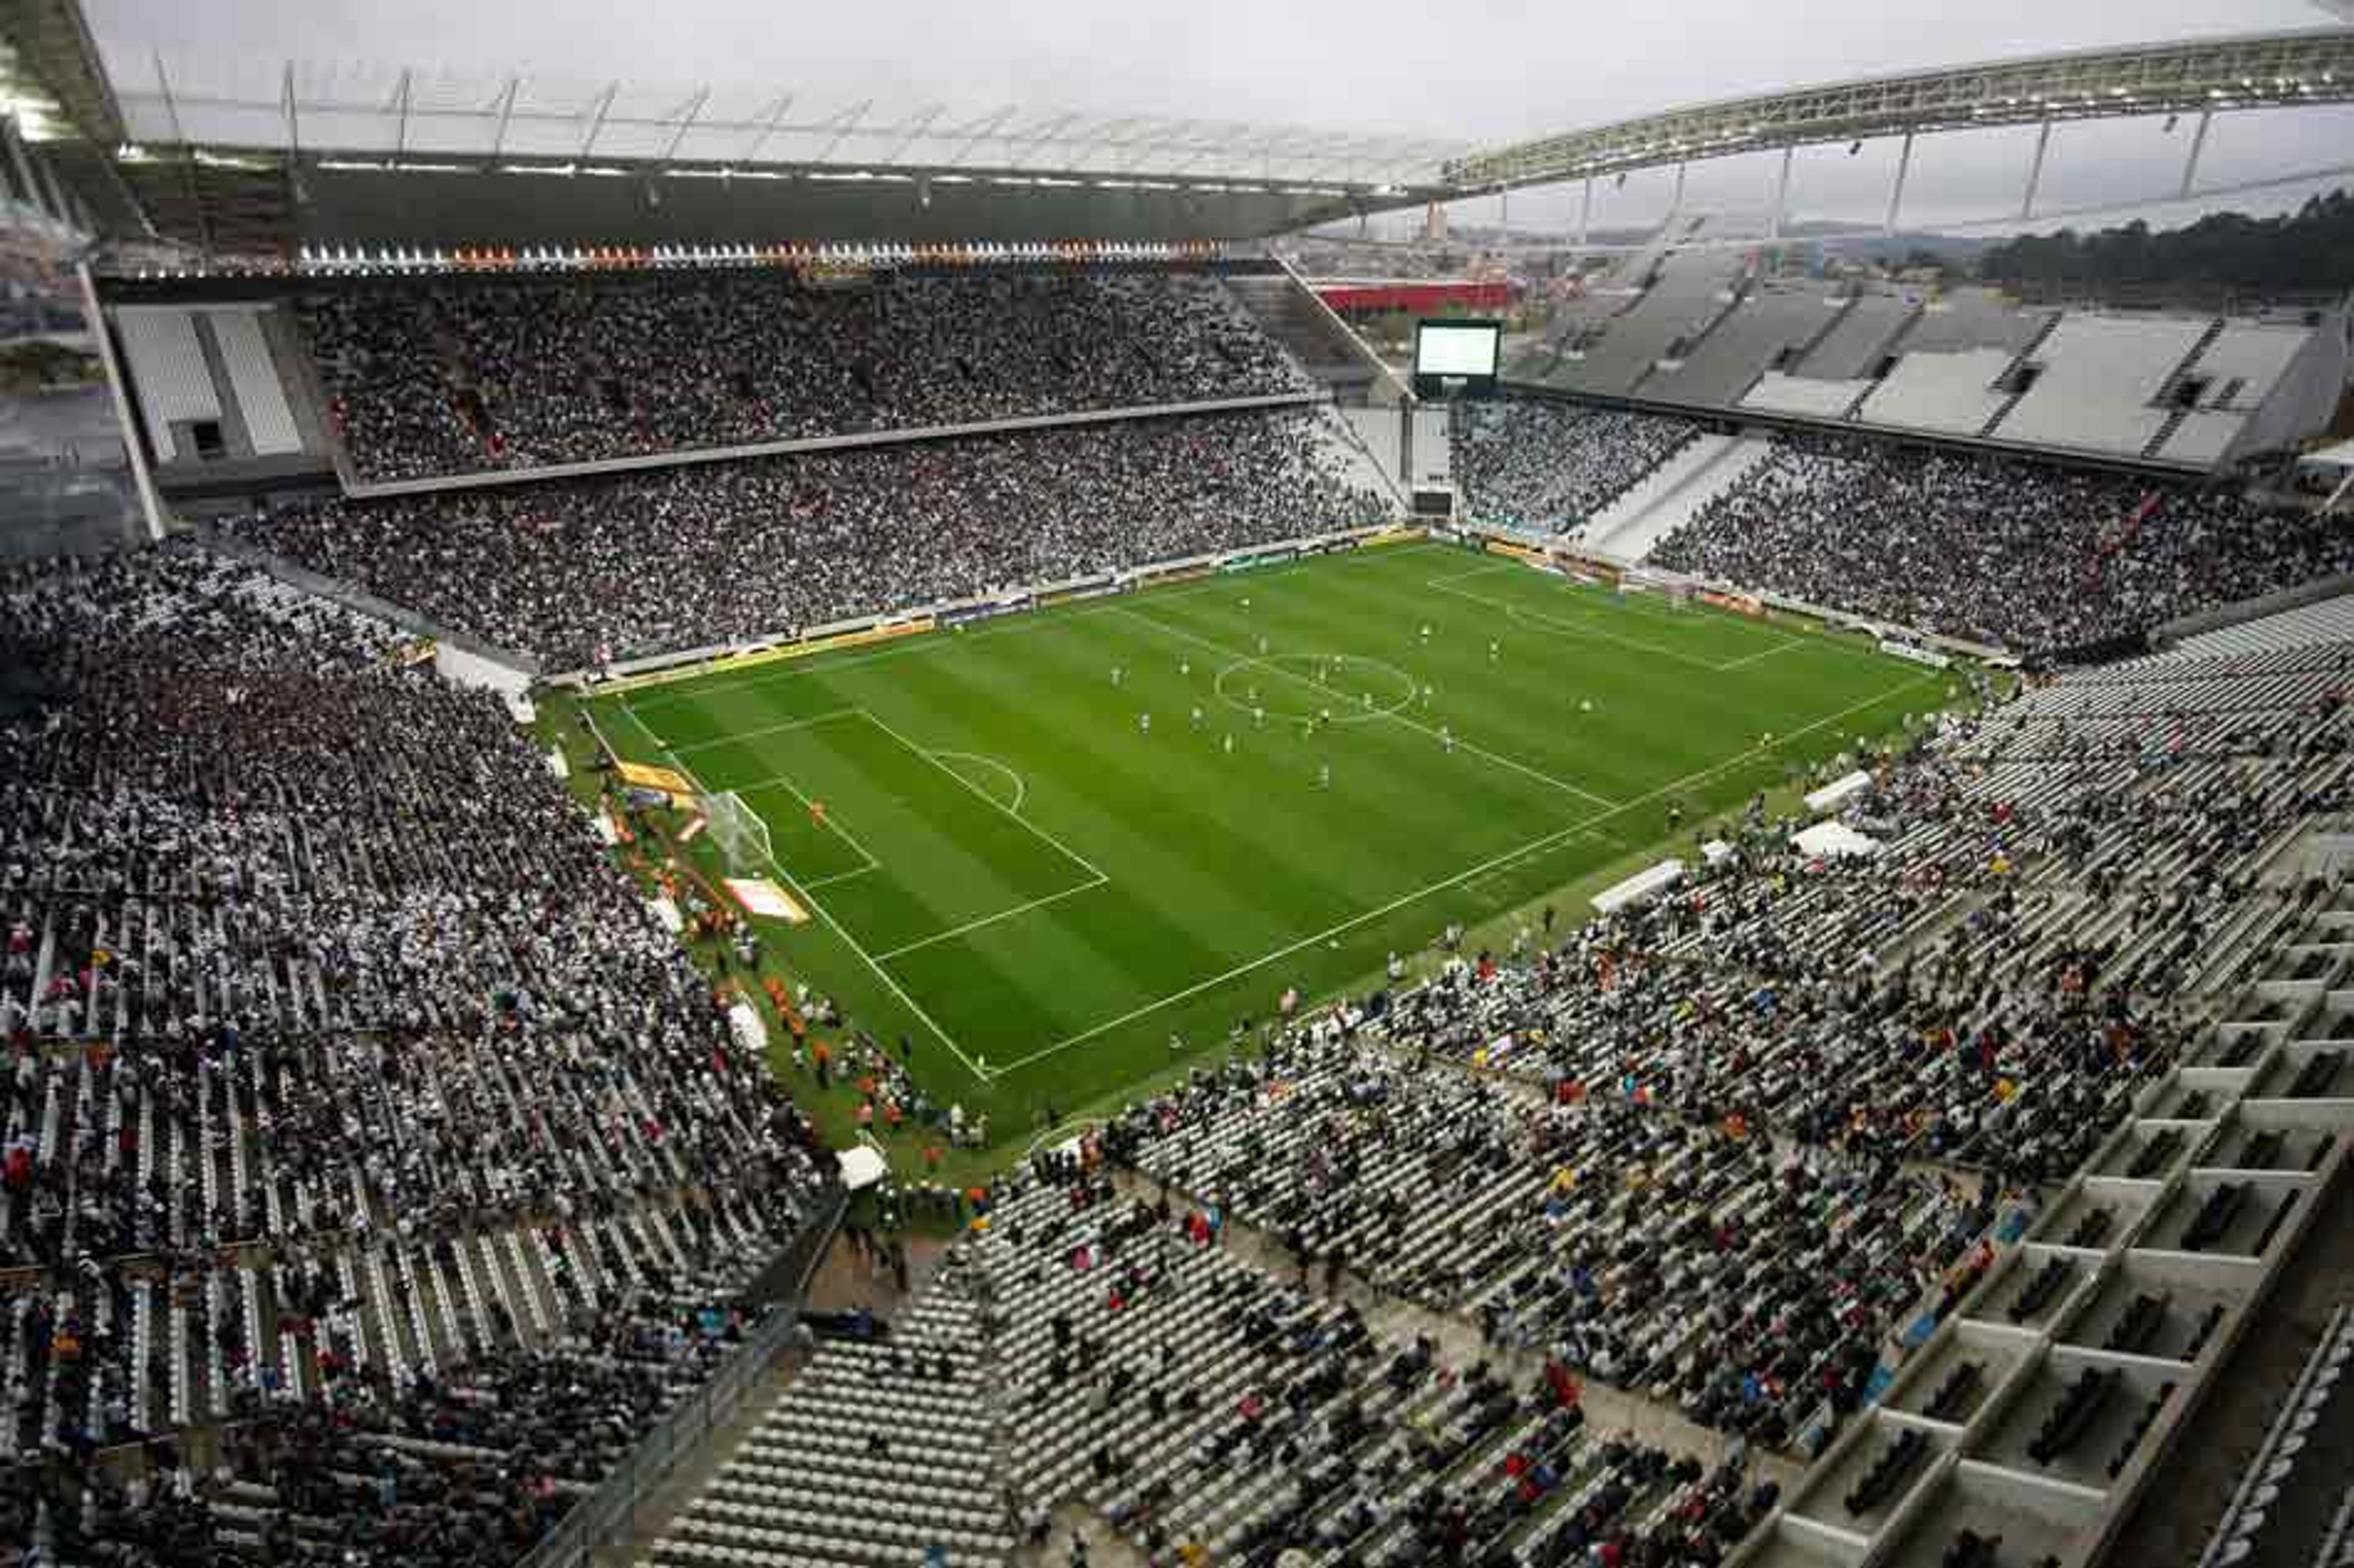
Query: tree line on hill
x,y
2311,248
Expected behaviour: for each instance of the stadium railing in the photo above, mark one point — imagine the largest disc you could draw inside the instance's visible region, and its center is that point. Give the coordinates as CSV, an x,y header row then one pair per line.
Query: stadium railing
x,y
611,1512
683,457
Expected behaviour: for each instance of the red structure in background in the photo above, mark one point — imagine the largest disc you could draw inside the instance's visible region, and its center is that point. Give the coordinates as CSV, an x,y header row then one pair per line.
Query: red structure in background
x,y
1416,296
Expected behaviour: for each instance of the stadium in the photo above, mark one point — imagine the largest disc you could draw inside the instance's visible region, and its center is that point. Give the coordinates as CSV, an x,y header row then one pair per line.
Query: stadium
x,y
746,827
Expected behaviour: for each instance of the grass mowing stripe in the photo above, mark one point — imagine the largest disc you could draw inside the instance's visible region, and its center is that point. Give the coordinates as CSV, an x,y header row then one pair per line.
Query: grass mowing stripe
x,y
1232,874
1505,859
1392,714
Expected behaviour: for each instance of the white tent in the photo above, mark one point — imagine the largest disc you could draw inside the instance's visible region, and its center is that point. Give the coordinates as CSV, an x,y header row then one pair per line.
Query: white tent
x,y
1834,838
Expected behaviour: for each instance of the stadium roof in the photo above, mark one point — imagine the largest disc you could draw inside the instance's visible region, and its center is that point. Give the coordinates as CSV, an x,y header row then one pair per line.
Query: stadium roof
x,y
280,151
2264,70
255,157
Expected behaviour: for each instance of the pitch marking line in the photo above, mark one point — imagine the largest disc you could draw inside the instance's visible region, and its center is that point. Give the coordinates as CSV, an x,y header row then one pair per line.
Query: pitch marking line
x,y
1036,621
1533,847
1073,856
810,723
1020,789
1098,880
850,941
1394,716
1561,628
780,782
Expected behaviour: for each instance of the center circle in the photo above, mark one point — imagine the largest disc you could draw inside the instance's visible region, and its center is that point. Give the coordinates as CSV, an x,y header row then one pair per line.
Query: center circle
x,y
1301,686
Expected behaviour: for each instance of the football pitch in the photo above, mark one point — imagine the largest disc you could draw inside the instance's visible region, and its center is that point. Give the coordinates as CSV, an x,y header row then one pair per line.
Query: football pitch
x,y
1343,756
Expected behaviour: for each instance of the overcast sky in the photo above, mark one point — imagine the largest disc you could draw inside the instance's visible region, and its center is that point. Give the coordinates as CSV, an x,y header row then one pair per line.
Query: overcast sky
x,y
1484,70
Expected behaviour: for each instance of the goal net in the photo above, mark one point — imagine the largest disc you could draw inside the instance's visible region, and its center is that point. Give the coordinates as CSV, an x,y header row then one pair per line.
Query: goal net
x,y
1671,587
738,830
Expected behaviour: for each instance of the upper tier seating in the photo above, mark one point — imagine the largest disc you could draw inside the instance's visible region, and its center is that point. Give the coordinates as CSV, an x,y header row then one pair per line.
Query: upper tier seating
x,y
458,375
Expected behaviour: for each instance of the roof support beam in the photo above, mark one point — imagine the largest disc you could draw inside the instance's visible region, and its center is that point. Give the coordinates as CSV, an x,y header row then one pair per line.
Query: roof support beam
x,y
2035,171
849,119
685,123
2198,145
596,120
22,160
974,133
775,118
294,119
400,107
1896,192
916,129
187,162
506,113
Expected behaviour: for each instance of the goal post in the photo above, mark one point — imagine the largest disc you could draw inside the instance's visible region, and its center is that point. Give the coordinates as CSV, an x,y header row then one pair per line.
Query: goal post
x,y
738,832
1673,588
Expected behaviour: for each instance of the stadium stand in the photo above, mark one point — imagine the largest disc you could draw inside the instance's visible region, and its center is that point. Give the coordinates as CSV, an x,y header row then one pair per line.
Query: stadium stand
x,y
168,364
1777,393
1616,353
757,548
1669,496
2101,381
413,1171
253,375
1951,393
1770,326
2009,554
1550,468
1865,334
458,375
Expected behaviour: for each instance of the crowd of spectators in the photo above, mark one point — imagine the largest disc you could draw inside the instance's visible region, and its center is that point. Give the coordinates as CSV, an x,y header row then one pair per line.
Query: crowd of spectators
x,y
457,375
704,554
1212,1411
1548,468
2018,555
356,1097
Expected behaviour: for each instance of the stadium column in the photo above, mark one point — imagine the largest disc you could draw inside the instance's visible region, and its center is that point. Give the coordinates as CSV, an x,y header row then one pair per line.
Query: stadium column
x,y
1405,445
18,157
1676,208
2198,145
1781,190
1903,167
2035,169
1585,214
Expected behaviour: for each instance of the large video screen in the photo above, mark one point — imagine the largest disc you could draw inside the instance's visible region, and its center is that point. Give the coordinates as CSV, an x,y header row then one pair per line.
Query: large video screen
x,y
1456,348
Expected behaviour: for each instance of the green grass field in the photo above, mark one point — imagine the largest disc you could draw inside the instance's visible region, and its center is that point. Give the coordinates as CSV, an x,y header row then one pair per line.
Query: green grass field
x,y
1039,892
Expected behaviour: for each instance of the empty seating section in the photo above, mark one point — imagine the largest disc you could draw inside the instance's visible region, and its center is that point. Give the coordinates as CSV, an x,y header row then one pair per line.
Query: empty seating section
x,y
1950,393
358,1104
2245,361
253,381
1195,1402
2101,380
1971,318
1865,332
1770,322
439,376
1779,393
2201,438
166,364
878,1454
1614,355
2284,1481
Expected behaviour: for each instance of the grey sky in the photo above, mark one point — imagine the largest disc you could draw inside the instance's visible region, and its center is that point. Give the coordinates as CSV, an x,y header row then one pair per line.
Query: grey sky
x,y
1485,70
